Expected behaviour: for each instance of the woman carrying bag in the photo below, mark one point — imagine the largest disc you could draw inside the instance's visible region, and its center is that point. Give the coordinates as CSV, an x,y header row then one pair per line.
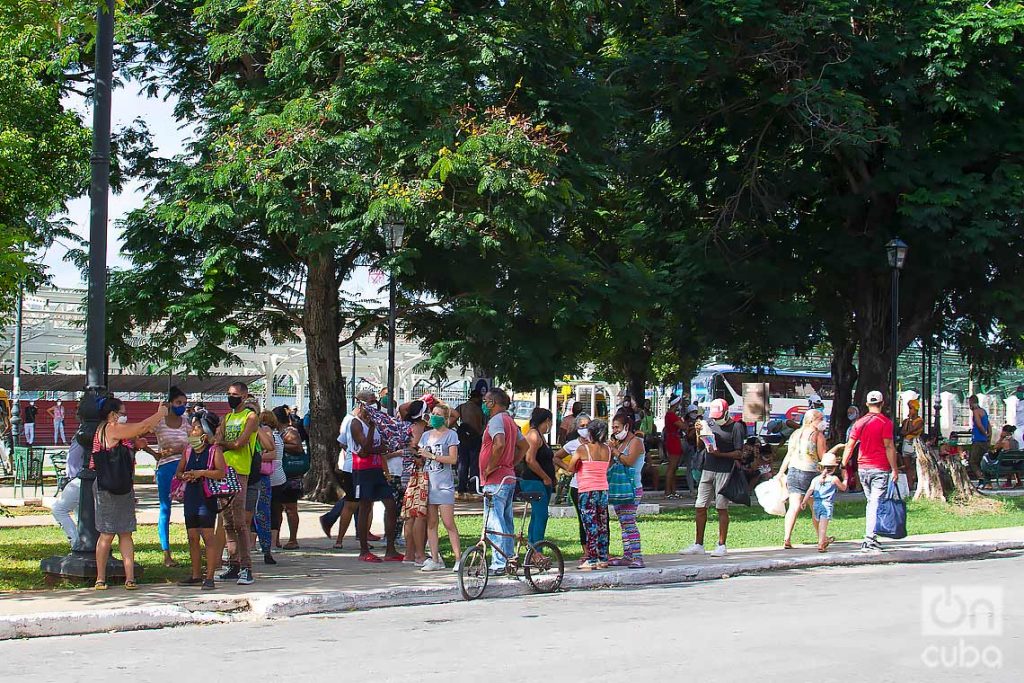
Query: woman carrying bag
x,y
629,452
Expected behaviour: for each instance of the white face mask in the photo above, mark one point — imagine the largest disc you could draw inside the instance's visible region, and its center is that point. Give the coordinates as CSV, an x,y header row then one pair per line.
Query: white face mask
x,y
821,426
621,436
583,432
122,419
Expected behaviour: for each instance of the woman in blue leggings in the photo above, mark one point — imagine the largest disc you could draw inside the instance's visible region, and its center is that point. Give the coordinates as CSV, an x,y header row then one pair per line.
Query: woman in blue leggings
x,y
171,439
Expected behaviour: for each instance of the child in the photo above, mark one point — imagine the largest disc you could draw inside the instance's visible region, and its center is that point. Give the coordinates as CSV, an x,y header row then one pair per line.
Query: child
x,y
823,488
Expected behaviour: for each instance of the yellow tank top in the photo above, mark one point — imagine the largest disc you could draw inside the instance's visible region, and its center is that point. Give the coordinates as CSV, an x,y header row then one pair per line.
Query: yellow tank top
x,y
803,450
241,458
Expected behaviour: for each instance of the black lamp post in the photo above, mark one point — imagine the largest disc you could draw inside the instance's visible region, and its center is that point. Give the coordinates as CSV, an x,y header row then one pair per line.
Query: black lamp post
x,y
897,253
395,235
81,562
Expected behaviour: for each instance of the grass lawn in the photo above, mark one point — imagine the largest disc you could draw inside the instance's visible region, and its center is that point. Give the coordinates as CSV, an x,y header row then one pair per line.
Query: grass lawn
x,y
22,548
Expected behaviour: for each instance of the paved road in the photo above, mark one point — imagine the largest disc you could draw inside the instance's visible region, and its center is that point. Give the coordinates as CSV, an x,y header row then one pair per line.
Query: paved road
x,y
851,624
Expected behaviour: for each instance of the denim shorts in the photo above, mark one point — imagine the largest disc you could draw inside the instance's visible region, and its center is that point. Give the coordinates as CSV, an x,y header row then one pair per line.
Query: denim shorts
x,y
823,510
798,481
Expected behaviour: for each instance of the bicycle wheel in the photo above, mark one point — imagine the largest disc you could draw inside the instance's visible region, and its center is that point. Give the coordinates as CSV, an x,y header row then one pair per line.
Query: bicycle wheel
x,y
545,567
473,572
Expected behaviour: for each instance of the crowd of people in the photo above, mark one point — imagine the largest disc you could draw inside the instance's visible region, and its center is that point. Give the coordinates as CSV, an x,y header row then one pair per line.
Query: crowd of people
x,y
239,475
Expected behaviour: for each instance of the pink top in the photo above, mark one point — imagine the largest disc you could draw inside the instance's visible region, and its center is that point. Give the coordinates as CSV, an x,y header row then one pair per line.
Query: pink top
x,y
171,439
593,474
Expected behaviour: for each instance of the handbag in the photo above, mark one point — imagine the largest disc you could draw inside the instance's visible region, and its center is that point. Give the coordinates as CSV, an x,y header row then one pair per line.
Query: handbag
x,y
178,489
620,484
735,489
771,495
221,488
416,494
295,464
114,466
891,520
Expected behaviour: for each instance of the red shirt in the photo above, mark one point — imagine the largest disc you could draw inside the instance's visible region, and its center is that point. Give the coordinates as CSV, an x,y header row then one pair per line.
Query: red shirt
x,y
871,431
506,465
671,435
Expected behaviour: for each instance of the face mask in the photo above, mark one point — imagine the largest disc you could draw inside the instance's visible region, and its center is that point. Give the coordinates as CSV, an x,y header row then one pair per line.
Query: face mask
x,y
234,402
122,419
486,410
179,410
852,416
196,442
621,436
437,421
583,432
821,426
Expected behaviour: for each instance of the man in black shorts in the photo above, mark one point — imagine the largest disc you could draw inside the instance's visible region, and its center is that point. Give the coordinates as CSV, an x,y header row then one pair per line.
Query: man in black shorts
x,y
370,484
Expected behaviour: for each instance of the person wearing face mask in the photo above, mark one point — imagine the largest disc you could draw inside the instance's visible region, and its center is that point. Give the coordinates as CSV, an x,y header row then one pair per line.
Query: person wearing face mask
x,y
852,480
800,467
539,475
717,464
628,448
672,440
56,411
171,439
237,436
575,438
199,462
28,422
439,448
115,512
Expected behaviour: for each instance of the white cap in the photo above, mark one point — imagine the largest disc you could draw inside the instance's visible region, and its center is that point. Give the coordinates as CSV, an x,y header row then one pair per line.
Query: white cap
x,y
675,401
814,400
874,398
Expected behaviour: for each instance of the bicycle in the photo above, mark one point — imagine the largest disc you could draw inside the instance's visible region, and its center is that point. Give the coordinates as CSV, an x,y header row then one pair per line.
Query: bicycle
x,y
542,563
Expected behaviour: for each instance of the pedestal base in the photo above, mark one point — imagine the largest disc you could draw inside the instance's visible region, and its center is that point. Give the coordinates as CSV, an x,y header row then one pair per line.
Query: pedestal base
x,y
79,566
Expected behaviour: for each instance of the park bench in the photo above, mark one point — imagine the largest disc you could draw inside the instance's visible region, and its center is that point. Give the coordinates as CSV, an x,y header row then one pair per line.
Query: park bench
x,y
1002,465
59,460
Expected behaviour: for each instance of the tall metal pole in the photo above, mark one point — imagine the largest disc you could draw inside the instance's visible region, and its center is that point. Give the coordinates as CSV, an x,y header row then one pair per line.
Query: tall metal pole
x,y
392,403
81,563
938,393
16,382
893,386
353,402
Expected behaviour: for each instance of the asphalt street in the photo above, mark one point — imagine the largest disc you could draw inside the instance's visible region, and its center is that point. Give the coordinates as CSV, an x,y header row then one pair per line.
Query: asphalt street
x,y
960,621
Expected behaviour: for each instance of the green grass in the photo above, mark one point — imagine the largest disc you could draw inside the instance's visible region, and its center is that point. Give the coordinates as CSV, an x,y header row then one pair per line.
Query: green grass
x,y
22,548
28,510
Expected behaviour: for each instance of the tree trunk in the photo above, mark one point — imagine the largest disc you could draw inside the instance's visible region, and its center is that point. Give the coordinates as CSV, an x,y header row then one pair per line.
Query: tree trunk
x,y
929,480
844,378
874,368
326,391
963,489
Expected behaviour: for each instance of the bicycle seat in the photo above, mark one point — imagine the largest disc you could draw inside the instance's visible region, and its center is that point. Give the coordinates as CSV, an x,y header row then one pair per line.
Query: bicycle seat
x,y
530,496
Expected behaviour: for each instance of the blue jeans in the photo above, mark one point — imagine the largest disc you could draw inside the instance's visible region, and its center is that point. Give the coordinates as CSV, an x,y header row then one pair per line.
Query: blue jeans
x,y
874,483
164,475
500,519
538,509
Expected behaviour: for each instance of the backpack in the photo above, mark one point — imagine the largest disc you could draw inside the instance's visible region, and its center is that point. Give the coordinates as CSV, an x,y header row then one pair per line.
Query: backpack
x,y
115,467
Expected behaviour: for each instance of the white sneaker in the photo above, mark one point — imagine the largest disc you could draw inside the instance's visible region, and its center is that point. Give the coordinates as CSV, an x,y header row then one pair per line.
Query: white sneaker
x,y
695,549
457,566
431,566
719,550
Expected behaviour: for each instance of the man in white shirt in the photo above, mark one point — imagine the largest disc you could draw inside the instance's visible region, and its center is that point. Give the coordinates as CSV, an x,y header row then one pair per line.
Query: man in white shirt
x,y
347,506
1019,423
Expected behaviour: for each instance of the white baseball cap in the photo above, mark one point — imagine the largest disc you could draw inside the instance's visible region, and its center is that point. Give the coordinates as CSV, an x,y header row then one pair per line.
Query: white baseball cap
x,y
874,398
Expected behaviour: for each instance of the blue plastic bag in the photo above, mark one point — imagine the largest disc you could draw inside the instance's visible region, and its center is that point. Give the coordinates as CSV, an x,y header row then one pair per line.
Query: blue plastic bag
x,y
891,521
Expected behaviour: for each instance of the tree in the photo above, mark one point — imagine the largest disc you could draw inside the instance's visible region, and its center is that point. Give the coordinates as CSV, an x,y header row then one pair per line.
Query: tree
x,y
44,147
321,123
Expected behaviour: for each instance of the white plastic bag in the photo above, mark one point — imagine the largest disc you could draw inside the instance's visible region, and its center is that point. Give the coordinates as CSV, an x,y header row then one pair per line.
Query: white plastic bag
x,y
772,495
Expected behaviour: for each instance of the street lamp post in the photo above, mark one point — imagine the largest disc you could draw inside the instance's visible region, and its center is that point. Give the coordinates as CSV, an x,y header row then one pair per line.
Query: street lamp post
x,y
16,375
395,235
81,562
896,250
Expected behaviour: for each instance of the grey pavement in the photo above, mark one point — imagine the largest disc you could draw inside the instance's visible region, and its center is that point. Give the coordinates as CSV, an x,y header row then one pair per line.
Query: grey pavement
x,y
815,626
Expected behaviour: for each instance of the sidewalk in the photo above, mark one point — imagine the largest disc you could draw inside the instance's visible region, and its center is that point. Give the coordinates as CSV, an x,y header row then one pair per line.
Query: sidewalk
x,y
319,579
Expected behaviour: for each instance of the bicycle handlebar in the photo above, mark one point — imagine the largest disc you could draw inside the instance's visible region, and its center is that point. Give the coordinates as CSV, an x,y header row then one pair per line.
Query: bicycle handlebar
x,y
480,491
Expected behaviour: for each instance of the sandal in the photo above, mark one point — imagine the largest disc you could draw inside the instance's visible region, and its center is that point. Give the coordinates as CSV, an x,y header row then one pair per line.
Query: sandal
x,y
100,586
291,545
787,546
337,546
130,585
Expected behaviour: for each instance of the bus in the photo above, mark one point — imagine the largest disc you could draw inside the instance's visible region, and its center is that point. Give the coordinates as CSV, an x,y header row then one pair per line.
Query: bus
x,y
788,389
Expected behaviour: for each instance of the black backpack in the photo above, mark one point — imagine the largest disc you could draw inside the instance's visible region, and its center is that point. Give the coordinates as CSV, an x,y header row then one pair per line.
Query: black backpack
x,y
115,469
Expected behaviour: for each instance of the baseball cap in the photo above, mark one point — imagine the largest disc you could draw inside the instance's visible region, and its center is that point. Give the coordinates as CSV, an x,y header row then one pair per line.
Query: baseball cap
x,y
676,400
874,398
718,409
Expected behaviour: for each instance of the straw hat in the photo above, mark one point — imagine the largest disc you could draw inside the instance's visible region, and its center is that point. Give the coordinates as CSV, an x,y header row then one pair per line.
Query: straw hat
x,y
829,460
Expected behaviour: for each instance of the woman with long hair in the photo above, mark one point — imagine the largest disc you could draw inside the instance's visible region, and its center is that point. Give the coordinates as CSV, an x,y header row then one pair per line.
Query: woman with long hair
x,y
539,475
628,449
439,448
800,466
115,512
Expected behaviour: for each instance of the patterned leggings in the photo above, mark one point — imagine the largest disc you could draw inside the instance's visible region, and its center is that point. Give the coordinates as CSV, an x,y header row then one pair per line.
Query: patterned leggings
x,y
630,531
594,511
261,520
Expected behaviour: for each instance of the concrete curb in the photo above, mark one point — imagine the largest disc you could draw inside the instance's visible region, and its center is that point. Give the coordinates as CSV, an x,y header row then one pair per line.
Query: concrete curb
x,y
101,621
263,606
